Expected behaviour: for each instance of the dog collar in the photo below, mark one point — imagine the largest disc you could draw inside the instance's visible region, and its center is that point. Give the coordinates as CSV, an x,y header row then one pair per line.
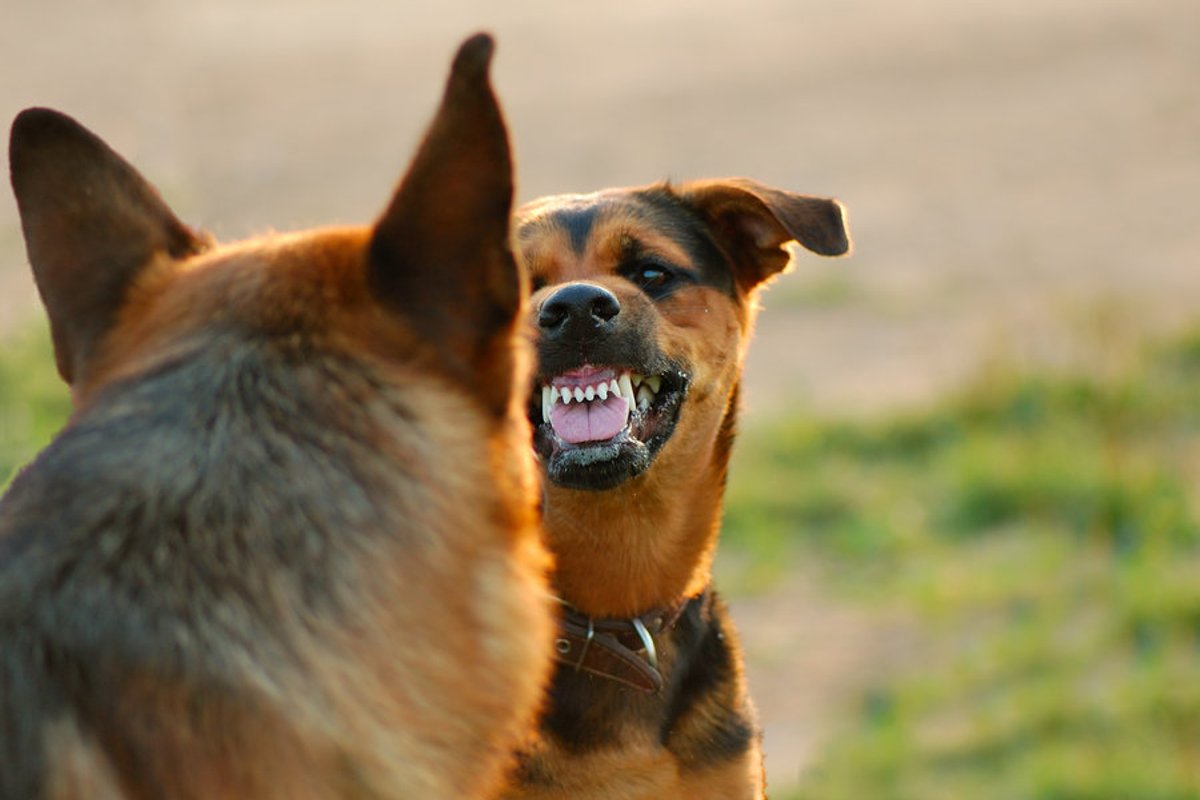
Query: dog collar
x,y
623,649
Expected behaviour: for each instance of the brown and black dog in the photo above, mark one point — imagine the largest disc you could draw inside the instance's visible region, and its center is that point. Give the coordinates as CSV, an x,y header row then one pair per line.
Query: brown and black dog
x,y
644,303
288,544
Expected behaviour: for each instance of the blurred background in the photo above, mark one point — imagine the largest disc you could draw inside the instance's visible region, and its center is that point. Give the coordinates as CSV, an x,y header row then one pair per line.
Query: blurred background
x,y
963,533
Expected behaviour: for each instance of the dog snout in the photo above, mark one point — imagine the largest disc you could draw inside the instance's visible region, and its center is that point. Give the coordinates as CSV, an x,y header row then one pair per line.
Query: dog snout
x,y
578,310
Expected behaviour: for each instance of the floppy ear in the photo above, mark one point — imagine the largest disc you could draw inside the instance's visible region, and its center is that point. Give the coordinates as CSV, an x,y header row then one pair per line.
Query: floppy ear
x,y
91,224
753,222
441,253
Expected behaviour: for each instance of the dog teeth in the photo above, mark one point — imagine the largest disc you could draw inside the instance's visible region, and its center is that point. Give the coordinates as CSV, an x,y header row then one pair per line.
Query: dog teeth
x,y
638,390
626,389
644,398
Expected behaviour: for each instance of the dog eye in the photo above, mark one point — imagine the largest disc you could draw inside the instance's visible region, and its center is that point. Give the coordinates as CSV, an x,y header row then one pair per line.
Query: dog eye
x,y
651,278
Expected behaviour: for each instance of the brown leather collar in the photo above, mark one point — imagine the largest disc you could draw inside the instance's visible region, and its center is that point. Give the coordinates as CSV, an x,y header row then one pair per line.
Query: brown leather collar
x,y
622,650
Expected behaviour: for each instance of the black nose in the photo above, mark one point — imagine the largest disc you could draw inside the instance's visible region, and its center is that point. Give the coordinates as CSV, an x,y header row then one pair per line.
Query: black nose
x,y
578,310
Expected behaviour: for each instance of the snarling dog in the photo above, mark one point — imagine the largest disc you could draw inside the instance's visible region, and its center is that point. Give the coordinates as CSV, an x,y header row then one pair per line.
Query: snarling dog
x,y
288,544
644,302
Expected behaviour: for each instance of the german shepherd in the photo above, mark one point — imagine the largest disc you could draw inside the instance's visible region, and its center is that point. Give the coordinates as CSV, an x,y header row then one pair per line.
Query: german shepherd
x,y
288,544
644,300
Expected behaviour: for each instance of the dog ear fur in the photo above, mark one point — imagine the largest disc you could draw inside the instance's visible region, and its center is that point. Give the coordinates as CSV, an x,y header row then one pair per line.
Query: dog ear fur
x,y
92,223
753,222
441,252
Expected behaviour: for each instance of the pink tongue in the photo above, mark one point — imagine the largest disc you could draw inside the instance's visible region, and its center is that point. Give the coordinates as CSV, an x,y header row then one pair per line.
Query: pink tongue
x,y
590,421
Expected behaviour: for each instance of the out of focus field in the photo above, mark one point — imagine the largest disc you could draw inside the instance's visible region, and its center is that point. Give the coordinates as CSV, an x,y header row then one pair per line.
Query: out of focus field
x,y
1039,534
963,530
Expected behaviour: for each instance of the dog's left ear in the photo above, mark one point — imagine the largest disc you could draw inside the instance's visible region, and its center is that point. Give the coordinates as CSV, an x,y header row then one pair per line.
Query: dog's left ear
x,y
753,222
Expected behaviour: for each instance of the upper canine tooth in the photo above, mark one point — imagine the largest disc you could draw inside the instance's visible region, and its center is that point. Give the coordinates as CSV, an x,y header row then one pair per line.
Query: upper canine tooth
x,y
547,401
626,389
566,395
654,382
602,390
578,395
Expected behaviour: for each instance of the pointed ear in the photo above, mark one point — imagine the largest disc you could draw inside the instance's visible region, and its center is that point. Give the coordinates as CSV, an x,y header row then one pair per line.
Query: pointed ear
x,y
753,222
441,253
91,224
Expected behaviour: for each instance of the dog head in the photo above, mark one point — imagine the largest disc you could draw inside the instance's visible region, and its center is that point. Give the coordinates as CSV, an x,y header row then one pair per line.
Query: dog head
x,y
127,286
643,302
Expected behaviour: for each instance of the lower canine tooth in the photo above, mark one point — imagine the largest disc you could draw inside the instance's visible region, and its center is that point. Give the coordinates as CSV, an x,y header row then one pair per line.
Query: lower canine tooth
x,y
644,398
547,401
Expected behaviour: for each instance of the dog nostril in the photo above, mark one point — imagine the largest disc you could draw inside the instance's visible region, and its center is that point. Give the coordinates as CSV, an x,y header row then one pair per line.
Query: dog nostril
x,y
552,315
605,306
583,306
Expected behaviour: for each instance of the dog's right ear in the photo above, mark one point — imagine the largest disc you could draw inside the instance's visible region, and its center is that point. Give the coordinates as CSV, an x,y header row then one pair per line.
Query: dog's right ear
x,y
91,224
753,222
441,253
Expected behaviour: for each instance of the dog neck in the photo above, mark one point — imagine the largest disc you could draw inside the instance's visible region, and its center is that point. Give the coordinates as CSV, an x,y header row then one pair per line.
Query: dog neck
x,y
592,719
621,650
646,544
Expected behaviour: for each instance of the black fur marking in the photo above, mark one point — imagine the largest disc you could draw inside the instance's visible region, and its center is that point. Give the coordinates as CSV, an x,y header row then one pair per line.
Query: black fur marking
x,y
704,668
584,711
679,222
577,222
26,701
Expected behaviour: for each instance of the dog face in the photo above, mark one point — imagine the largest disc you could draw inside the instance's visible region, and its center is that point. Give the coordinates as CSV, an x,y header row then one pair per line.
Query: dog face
x,y
295,464
643,303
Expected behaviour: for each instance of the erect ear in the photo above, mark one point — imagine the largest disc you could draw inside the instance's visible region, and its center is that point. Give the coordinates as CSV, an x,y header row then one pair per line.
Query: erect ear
x,y
91,224
753,222
441,253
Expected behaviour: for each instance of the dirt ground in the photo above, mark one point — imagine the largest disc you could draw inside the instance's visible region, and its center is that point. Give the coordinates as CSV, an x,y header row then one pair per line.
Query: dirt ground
x,y
1017,173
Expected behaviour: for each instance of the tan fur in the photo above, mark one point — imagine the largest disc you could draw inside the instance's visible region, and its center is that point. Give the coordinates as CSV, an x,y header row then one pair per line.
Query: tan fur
x,y
78,768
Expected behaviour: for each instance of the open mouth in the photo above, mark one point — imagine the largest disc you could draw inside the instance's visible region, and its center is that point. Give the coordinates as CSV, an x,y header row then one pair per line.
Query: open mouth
x,y
595,427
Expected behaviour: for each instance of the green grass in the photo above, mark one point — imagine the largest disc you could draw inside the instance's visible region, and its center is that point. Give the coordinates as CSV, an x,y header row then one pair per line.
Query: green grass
x,y
1044,532
33,400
